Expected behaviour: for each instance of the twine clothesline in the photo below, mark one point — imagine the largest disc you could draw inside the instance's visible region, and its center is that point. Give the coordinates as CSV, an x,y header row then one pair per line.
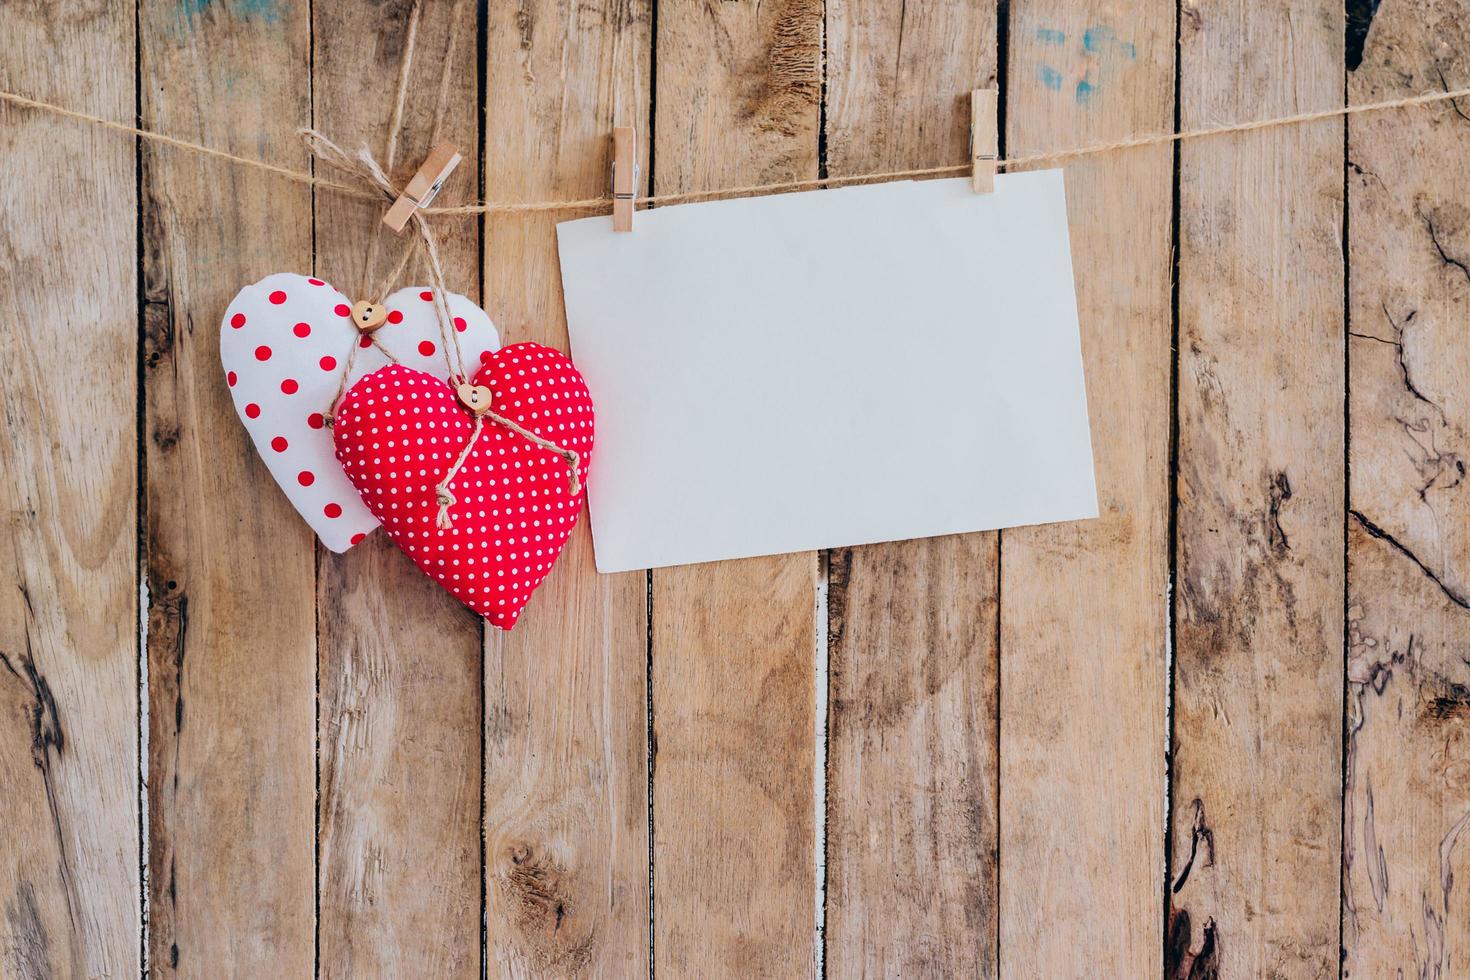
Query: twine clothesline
x,y
605,201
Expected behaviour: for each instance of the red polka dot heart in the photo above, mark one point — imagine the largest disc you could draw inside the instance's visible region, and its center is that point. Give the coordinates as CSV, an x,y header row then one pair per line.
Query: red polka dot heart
x,y
284,343
398,433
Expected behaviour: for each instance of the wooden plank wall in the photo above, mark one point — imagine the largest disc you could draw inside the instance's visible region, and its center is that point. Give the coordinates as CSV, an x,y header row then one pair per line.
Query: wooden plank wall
x,y
1082,639
1259,594
912,626
69,886
734,875
1406,804
566,711
230,577
1220,731
398,659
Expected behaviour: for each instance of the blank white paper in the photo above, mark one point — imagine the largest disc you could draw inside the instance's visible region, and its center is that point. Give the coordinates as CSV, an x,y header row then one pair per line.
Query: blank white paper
x,y
830,368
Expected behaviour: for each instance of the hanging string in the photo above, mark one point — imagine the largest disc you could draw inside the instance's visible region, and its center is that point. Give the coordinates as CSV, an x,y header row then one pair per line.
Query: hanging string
x,y
440,296
604,203
395,128
385,285
367,170
330,416
390,150
443,496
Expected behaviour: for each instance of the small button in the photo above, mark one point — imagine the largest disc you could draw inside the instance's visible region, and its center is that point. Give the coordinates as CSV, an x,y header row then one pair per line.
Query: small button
x,y
476,398
368,316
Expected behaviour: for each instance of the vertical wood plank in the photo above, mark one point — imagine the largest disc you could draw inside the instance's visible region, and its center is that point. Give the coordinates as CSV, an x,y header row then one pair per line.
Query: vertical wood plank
x,y
231,622
739,90
912,881
1083,605
1256,812
68,610
566,777
399,793
1407,804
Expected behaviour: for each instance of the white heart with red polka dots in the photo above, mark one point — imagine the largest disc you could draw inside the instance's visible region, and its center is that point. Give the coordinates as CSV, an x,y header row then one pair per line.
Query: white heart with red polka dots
x,y
284,342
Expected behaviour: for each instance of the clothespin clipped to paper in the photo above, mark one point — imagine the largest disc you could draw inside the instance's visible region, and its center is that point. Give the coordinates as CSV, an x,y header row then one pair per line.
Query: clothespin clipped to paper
x,y
984,139
624,177
437,167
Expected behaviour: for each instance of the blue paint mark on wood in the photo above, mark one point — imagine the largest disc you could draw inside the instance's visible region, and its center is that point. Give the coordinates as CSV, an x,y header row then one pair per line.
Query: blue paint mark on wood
x,y
1098,39
1091,63
1087,64
268,11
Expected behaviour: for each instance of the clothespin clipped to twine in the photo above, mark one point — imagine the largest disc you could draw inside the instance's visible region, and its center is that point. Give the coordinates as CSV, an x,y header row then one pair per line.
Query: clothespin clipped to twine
x,y
424,186
624,177
984,139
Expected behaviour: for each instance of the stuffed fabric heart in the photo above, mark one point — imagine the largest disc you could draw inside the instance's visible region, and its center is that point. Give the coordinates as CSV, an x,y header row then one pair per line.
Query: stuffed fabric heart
x,y
284,343
398,433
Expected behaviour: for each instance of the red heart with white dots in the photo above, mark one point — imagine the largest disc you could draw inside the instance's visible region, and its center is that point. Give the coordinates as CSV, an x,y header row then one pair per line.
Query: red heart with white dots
x,y
398,433
284,343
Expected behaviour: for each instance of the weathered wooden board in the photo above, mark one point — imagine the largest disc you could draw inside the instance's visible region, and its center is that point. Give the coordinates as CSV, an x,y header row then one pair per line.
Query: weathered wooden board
x,y
911,883
1408,734
1084,605
734,879
230,572
566,778
69,877
399,658
1256,800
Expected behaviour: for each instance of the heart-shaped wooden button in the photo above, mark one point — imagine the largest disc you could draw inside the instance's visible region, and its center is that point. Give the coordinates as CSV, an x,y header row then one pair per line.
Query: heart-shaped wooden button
x,y
368,316
476,398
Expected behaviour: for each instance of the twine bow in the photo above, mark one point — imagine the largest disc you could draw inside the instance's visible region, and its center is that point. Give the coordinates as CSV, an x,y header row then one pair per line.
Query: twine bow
x,y
445,497
365,168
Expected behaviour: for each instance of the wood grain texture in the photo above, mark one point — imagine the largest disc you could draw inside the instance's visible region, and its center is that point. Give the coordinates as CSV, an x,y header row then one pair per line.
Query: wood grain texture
x,y
1083,605
734,848
911,884
399,658
1408,748
738,101
912,881
69,878
976,825
231,598
566,777
1256,818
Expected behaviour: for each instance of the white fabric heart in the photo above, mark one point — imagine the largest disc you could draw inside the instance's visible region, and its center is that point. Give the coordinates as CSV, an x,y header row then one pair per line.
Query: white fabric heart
x,y
284,342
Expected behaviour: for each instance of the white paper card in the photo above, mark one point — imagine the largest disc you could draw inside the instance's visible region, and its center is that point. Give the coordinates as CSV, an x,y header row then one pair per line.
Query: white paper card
x,y
836,367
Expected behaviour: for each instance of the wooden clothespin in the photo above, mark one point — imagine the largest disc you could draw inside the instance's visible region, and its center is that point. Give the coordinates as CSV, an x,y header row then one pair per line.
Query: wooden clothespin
x,y
437,167
984,139
624,177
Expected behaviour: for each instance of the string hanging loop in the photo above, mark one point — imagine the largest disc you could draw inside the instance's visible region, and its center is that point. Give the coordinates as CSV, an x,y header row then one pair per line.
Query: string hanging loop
x,y
365,168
